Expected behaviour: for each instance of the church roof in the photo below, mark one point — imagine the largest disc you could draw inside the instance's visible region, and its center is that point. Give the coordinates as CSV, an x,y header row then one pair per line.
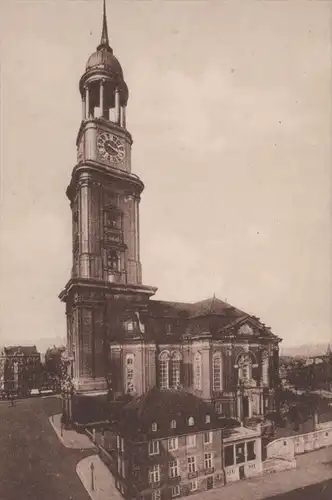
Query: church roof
x,y
204,307
210,316
161,407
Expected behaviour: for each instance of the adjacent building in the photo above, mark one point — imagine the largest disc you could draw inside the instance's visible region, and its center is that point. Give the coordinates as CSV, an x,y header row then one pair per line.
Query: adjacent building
x,y
171,443
19,369
121,340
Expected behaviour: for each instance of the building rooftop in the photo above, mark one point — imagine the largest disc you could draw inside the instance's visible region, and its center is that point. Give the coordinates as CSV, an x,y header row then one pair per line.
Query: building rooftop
x,y
20,350
151,415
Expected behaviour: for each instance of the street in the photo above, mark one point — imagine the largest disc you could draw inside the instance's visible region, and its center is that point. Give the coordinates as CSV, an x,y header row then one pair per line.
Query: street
x,y
321,491
33,462
35,465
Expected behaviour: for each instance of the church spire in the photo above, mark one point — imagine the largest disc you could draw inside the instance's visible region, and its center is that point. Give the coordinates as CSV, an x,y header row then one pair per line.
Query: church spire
x,y
104,42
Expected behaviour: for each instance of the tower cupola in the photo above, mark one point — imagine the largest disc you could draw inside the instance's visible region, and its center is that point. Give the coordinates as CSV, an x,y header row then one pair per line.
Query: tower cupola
x,y
103,89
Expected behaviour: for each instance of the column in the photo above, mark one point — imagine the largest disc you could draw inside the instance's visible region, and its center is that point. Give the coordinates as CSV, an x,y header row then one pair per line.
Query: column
x,y
123,117
87,102
84,250
101,96
117,105
83,108
136,229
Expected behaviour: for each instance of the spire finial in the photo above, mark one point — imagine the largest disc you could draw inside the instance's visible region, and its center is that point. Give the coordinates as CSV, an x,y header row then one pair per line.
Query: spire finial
x,y
104,42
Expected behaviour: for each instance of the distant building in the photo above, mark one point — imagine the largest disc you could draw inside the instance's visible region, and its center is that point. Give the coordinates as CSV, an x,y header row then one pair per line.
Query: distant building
x,y
170,444
19,369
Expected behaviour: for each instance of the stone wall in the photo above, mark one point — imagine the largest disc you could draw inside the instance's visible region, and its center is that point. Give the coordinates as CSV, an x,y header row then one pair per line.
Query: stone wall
x,y
295,445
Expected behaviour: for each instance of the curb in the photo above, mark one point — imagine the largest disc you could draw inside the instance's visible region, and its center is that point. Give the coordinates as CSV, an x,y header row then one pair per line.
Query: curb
x,y
77,441
97,479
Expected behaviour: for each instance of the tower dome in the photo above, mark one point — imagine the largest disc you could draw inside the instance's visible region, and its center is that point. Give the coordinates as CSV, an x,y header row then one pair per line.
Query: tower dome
x,y
103,78
104,58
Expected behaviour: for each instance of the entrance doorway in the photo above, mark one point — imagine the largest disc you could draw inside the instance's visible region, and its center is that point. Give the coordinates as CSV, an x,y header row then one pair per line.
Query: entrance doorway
x,y
245,406
209,484
241,471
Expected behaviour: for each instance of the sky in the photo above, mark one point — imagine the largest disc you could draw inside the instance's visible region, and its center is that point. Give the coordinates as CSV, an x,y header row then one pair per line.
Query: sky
x,y
230,112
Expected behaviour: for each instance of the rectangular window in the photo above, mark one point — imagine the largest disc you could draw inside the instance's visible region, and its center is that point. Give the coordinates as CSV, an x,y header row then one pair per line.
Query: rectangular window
x,y
198,371
191,440
191,464
118,441
173,444
207,460
154,447
122,444
135,470
207,437
217,373
193,486
251,455
154,474
156,495
219,408
123,468
176,491
239,452
229,456
173,469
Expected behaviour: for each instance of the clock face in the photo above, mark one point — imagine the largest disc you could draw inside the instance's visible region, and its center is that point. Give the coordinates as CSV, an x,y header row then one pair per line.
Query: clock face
x,y
111,148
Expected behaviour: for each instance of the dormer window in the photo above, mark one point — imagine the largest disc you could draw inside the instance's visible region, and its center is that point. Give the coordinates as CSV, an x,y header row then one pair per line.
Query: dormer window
x,y
154,427
191,421
173,424
207,418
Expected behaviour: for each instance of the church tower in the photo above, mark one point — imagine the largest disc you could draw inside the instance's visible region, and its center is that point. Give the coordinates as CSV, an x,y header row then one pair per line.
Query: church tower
x,y
104,197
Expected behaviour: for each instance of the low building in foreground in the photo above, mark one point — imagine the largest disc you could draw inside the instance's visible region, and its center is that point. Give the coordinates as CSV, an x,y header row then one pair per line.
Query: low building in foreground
x,y
171,443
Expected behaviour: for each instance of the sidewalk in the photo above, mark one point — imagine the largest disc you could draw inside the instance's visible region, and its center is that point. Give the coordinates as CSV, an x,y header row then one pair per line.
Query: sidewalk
x,y
312,468
70,438
103,482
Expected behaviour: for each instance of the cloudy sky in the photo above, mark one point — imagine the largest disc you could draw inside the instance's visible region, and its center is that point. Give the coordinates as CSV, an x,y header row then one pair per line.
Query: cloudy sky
x,y
230,111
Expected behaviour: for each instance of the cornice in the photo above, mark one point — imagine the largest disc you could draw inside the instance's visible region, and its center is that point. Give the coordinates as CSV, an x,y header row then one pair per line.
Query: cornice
x,y
104,288
104,124
94,168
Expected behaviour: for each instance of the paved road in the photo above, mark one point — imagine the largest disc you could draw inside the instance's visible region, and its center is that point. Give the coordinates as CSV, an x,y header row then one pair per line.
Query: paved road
x,y
321,491
33,463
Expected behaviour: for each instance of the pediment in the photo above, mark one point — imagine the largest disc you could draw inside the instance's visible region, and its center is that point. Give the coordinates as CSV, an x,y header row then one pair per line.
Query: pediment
x,y
246,329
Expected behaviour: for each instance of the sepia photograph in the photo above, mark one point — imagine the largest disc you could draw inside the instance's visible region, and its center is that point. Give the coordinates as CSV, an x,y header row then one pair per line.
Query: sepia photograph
x,y
165,249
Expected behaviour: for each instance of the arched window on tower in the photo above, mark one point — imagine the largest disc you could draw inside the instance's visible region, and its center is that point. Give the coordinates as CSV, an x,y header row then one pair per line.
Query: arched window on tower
x,y
217,385
164,370
130,387
176,370
198,371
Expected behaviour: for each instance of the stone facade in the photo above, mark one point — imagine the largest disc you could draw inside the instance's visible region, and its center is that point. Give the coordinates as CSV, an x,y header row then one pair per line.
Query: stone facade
x,y
122,341
19,370
172,444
